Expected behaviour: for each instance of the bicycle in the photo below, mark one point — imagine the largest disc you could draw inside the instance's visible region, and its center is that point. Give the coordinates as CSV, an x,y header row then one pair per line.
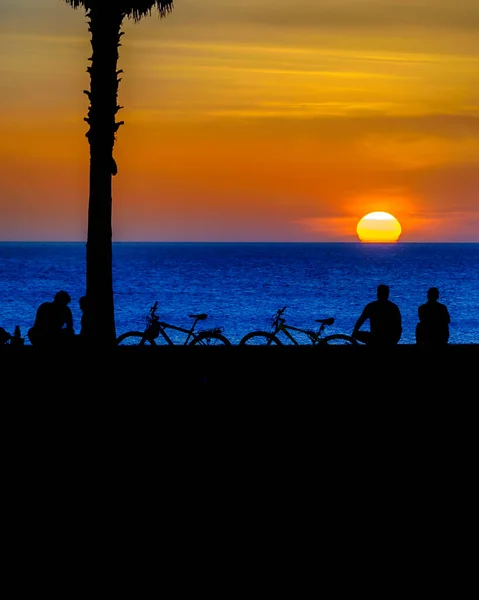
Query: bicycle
x,y
155,333
279,325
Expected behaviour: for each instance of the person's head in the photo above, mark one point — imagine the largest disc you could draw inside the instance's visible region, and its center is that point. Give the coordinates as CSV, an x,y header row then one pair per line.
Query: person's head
x,y
62,298
383,291
433,293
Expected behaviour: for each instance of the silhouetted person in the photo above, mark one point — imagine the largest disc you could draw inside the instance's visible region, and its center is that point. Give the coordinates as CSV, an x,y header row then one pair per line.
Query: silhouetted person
x,y
86,318
434,319
53,322
4,336
385,323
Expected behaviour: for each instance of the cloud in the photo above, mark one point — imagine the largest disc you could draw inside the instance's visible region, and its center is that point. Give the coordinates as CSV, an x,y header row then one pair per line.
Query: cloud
x,y
367,15
371,15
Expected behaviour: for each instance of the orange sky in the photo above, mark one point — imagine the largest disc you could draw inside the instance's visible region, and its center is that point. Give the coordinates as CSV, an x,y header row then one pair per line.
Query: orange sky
x,y
248,121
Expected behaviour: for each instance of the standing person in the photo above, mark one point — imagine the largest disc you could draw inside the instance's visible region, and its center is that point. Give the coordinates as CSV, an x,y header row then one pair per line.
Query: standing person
x,y
385,322
434,319
53,324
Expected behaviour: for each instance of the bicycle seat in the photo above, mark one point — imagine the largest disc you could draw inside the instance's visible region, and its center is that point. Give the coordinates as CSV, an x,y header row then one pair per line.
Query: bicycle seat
x,y
200,317
329,321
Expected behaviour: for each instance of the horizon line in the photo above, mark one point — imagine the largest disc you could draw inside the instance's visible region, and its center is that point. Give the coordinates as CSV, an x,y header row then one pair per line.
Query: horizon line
x,y
356,242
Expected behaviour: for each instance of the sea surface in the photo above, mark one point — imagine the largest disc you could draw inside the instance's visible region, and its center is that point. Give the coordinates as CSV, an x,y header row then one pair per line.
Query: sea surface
x,y
241,285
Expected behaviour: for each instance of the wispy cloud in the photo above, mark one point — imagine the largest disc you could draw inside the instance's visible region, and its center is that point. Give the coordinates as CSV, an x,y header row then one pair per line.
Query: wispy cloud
x,y
369,15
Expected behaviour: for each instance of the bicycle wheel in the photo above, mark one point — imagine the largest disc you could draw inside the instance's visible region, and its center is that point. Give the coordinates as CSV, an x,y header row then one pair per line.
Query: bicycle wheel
x,y
210,339
260,338
338,339
134,338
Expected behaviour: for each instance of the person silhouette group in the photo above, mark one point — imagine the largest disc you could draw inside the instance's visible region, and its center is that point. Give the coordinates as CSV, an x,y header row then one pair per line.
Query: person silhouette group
x,y
385,321
53,326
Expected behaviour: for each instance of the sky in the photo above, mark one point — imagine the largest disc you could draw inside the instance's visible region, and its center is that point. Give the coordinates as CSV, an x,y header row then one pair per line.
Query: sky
x,y
248,120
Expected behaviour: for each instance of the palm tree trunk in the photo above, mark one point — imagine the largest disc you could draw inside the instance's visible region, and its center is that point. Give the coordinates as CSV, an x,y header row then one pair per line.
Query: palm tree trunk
x,y
105,27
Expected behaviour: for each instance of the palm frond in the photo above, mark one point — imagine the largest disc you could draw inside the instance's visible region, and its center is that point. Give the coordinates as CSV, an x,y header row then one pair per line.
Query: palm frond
x,y
131,9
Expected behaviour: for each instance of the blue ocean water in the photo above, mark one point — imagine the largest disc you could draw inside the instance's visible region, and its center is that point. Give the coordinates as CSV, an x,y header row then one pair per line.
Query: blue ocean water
x,y
241,285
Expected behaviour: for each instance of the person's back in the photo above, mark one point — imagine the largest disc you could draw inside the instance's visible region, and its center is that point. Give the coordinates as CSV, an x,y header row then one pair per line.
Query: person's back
x,y
385,322
434,319
42,326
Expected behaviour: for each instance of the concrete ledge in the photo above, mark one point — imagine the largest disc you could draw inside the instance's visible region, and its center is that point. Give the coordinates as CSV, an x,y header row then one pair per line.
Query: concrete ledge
x,y
404,367
309,406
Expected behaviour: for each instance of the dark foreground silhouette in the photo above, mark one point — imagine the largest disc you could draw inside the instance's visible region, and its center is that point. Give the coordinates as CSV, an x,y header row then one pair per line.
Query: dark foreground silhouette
x,y
304,373
88,436
53,326
385,321
381,368
434,320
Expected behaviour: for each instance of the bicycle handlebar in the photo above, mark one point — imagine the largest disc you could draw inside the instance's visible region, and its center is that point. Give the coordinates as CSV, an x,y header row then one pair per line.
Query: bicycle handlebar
x,y
277,319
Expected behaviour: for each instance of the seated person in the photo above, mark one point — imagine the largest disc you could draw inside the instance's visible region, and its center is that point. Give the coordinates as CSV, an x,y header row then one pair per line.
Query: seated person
x,y
434,319
53,324
385,322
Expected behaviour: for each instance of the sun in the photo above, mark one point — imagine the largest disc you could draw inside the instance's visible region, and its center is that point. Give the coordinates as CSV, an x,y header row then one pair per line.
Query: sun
x,y
379,227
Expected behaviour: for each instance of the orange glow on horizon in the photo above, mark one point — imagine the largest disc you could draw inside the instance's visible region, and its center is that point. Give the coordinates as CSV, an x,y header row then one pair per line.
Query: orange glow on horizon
x,y
243,124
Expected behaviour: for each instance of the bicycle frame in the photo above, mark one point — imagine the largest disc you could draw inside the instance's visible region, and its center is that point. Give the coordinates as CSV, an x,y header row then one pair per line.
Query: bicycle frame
x,y
155,327
162,327
279,326
313,336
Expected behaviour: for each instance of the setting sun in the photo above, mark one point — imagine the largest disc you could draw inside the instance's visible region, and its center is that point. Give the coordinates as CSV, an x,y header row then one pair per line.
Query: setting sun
x,y
379,227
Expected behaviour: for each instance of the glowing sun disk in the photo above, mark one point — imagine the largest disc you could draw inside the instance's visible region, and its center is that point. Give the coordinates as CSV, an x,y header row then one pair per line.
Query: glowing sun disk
x,y
379,227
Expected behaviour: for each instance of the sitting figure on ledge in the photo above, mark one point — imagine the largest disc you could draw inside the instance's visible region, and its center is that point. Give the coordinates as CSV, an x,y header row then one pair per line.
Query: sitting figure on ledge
x,y
434,319
385,322
53,325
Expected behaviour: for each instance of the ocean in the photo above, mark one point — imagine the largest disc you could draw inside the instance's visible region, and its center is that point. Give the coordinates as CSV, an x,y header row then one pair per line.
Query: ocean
x,y
241,285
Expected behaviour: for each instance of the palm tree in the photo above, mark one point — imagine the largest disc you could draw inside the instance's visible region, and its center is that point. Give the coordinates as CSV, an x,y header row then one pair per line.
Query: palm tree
x,y
105,19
